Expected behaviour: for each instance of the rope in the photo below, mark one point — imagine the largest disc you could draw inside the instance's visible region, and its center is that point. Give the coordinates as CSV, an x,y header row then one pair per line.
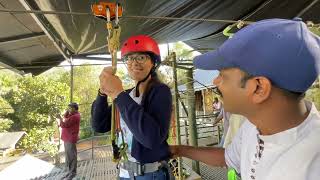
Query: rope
x,y
113,42
125,17
184,19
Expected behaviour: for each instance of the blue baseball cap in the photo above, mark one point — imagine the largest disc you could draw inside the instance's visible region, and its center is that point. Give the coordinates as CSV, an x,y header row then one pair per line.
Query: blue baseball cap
x,y
284,51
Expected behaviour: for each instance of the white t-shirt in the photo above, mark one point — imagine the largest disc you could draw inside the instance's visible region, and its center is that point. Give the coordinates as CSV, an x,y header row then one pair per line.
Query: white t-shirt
x,y
128,136
293,154
235,122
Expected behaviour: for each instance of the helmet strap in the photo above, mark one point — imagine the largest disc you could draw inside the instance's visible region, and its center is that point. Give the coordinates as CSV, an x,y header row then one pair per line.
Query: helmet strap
x,y
143,80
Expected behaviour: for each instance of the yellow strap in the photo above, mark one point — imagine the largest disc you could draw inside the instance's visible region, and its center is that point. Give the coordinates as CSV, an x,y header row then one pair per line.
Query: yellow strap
x,y
114,39
113,46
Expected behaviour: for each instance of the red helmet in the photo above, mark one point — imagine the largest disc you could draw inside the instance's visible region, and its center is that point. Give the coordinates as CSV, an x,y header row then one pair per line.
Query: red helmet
x,y
141,43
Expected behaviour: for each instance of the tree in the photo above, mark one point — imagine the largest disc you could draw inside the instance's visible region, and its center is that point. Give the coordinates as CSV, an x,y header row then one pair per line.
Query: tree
x,y
86,85
5,123
35,101
7,79
86,82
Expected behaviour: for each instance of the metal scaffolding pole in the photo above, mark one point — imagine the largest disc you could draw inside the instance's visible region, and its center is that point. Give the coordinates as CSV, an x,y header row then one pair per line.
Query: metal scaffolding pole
x,y
193,138
71,81
185,122
176,108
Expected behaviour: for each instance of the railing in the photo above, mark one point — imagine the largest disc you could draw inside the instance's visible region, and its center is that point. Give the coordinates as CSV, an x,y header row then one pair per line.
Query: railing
x,y
204,131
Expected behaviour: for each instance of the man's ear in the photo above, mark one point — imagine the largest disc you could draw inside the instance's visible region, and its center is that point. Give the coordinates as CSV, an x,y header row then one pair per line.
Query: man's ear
x,y
259,88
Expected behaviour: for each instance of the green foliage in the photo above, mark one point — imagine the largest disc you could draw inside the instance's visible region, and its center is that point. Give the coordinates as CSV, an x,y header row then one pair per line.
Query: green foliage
x,y
85,91
34,100
183,51
7,80
184,54
85,132
30,102
85,86
34,141
5,124
5,109
314,96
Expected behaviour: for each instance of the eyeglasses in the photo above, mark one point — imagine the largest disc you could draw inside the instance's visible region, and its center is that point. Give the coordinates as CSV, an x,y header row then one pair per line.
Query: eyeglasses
x,y
140,58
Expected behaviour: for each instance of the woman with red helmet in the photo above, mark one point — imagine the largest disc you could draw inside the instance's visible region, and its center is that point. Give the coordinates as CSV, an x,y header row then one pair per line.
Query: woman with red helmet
x,y
145,110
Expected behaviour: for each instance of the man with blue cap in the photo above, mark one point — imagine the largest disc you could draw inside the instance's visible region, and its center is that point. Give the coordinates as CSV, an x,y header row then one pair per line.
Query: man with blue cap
x,y
265,70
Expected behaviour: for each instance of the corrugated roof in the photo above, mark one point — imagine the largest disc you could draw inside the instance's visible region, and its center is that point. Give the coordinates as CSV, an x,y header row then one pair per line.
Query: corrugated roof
x,y
28,167
10,139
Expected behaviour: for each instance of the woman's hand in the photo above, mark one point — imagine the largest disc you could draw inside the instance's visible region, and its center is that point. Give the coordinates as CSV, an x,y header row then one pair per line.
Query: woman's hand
x,y
110,84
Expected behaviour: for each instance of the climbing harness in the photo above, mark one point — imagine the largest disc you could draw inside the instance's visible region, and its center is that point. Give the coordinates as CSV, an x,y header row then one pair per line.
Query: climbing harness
x,y
111,12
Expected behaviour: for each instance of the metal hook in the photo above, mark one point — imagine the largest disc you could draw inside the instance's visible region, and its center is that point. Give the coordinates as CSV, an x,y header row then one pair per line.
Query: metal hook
x,y
227,30
117,15
108,14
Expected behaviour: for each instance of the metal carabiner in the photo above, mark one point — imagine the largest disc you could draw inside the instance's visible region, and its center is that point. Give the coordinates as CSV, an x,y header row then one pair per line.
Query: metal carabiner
x,y
108,14
109,24
117,14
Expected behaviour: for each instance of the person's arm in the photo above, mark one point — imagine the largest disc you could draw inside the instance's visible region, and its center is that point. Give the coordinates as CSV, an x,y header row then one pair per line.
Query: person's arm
x,y
214,106
219,105
209,155
149,128
219,117
101,114
69,121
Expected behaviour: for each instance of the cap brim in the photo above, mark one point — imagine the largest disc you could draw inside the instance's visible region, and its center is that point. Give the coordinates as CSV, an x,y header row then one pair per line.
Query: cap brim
x,y
211,61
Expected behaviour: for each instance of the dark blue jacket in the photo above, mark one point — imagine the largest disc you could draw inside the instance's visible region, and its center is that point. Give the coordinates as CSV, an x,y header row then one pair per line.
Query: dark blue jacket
x,y
148,122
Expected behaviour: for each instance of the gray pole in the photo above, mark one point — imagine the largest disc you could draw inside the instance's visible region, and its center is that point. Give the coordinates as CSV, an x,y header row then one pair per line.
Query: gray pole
x,y
193,138
176,108
71,81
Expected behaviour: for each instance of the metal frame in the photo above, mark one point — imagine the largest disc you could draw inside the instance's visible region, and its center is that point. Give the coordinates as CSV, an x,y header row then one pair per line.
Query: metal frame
x,y
66,54
22,37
